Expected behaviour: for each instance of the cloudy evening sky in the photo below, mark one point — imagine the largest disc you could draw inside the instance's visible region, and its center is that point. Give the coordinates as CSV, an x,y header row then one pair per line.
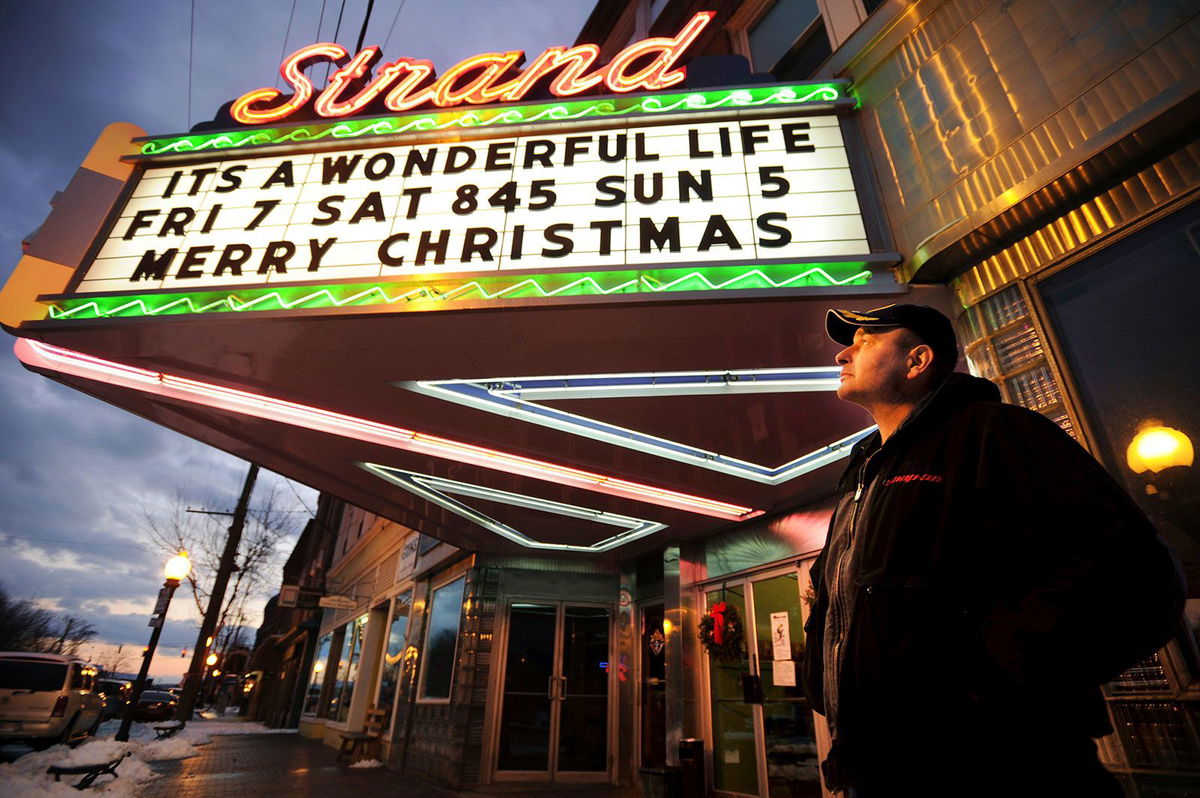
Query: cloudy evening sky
x,y
76,475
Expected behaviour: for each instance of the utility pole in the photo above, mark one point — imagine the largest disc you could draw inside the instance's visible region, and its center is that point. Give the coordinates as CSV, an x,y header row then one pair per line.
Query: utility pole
x,y
213,612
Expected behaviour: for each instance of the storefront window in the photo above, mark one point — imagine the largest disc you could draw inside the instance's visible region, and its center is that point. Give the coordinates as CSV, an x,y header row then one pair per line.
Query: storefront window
x,y
312,699
1124,318
393,654
343,686
441,640
790,40
331,695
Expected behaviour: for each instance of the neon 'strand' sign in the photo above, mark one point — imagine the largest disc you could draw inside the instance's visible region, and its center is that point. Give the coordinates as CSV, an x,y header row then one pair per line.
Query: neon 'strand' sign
x,y
406,83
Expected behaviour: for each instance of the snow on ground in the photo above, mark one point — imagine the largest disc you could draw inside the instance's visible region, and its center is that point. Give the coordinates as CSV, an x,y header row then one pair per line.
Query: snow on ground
x,y
367,763
27,777
213,725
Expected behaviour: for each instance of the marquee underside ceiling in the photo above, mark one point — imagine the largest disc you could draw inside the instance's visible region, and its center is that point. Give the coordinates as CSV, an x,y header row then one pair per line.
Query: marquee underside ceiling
x,y
355,365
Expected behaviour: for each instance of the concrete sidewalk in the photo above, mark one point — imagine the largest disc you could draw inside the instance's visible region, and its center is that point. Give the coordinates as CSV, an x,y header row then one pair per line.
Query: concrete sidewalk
x,y
246,765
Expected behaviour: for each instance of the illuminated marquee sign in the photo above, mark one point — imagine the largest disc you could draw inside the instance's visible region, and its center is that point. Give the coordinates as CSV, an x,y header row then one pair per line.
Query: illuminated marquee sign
x,y
684,194
408,83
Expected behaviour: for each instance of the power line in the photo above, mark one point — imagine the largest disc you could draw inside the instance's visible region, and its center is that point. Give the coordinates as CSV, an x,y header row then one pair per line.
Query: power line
x,y
4,541
362,33
257,509
286,34
337,30
321,24
321,20
399,8
191,48
296,493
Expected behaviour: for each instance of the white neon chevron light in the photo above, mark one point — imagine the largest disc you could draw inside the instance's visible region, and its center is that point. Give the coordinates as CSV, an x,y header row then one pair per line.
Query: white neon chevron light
x,y
435,489
520,398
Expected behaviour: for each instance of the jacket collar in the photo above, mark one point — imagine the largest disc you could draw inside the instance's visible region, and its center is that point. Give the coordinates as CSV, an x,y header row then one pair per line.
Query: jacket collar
x,y
956,392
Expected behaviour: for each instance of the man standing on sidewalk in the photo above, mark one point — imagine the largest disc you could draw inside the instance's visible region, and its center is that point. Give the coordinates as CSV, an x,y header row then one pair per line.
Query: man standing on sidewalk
x,y
983,576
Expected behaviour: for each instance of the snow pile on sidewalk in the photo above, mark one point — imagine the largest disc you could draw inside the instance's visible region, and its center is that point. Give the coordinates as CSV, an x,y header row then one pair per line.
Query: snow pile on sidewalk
x,y
196,732
27,776
367,763
213,728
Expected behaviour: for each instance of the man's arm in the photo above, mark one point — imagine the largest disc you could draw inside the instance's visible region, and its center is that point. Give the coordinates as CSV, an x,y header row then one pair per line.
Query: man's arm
x,y
1087,587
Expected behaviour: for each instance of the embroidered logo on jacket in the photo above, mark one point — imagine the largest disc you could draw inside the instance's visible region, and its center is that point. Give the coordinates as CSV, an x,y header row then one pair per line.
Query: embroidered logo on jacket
x,y
901,478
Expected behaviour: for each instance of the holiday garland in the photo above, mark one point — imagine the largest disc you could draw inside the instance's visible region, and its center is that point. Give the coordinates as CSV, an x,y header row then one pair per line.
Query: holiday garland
x,y
721,632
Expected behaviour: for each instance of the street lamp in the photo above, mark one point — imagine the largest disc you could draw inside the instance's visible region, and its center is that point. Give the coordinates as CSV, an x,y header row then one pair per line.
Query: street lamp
x,y
211,673
1156,447
176,569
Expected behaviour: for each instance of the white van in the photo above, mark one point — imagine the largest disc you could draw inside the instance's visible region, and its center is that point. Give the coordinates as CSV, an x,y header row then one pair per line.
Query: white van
x,y
47,698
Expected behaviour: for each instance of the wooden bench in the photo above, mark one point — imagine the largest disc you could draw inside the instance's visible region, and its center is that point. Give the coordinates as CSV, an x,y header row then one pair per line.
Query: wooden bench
x,y
360,743
169,729
90,772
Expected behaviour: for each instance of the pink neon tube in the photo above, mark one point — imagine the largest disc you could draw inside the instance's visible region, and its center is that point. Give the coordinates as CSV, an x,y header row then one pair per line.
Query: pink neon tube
x,y
67,361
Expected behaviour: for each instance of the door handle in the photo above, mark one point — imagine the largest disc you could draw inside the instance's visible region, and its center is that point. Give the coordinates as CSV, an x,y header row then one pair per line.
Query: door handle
x,y
550,688
562,690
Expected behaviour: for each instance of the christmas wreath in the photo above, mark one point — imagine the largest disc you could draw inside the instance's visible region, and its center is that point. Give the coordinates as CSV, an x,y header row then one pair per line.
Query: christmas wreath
x,y
721,632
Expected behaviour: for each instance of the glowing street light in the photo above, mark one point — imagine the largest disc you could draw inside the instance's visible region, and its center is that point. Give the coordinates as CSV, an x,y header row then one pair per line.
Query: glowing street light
x,y
1156,447
178,567
176,570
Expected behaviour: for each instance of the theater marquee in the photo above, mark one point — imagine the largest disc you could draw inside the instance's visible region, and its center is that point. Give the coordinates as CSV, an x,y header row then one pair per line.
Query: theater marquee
x,y
276,288
691,193
637,195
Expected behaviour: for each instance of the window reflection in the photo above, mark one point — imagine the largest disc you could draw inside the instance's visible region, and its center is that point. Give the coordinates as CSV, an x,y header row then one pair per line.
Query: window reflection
x,y
312,699
441,640
393,655
1124,320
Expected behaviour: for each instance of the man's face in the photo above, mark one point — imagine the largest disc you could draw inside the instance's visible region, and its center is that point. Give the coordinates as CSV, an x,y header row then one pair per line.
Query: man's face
x,y
874,366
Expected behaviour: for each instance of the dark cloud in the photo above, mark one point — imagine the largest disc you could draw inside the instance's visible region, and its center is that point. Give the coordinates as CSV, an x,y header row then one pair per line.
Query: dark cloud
x,y
76,475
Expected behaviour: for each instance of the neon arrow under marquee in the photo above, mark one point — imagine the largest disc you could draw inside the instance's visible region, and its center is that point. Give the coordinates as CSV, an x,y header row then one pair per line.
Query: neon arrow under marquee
x,y
406,83
66,361
521,397
436,490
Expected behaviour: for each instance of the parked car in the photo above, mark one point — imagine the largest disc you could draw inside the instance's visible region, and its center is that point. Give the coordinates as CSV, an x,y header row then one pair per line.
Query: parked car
x,y
155,705
47,698
116,696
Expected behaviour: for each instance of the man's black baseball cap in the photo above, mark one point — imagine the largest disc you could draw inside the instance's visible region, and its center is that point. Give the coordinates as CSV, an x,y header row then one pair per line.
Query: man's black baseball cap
x,y
931,326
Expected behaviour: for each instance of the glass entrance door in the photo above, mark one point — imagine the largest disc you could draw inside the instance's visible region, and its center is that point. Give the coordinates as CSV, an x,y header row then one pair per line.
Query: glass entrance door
x,y
787,728
735,745
554,716
767,749
653,670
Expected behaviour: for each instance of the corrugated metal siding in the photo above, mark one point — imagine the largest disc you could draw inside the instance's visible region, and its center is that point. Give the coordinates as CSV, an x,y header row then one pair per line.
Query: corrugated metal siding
x,y
1168,180
975,104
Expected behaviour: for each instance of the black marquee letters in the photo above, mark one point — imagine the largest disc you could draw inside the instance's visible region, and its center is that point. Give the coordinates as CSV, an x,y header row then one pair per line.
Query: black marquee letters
x,y
695,188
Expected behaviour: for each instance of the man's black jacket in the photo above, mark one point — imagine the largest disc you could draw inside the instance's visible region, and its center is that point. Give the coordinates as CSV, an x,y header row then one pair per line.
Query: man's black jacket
x,y
1001,577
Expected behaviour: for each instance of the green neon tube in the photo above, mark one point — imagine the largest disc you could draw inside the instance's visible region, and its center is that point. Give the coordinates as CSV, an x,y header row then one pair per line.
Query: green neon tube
x,y
428,295
798,94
